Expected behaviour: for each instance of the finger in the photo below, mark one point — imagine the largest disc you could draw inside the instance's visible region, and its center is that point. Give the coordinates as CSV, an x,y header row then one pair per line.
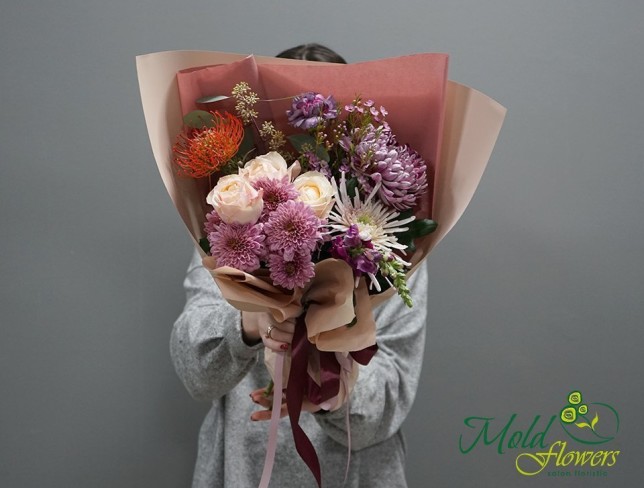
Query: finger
x,y
287,326
259,391
276,339
277,334
275,345
263,401
260,415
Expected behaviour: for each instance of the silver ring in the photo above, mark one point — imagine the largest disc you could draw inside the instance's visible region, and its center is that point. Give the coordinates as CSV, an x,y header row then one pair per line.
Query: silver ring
x,y
269,330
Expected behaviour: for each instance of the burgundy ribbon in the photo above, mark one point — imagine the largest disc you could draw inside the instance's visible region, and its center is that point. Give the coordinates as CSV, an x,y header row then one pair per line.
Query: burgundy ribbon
x,y
295,389
363,356
301,385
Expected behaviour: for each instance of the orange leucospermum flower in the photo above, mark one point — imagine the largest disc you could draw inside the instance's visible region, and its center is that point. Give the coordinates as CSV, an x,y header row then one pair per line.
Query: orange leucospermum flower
x,y
201,152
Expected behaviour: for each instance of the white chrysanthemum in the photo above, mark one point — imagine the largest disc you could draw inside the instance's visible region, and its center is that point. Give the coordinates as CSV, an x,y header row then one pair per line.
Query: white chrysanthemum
x,y
376,222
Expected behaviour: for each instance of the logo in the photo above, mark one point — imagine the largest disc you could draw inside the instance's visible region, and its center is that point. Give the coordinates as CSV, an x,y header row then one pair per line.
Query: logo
x,y
574,442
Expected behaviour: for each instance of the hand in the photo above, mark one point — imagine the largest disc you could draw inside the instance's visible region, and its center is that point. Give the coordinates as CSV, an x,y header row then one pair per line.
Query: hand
x,y
260,398
261,325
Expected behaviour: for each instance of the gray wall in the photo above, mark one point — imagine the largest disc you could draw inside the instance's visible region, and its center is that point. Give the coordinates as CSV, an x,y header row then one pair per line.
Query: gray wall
x,y
537,291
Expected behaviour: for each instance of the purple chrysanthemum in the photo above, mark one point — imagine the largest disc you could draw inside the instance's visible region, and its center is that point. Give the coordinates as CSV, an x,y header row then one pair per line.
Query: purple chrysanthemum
x,y
375,158
292,228
237,245
212,221
311,109
402,182
365,147
290,273
275,193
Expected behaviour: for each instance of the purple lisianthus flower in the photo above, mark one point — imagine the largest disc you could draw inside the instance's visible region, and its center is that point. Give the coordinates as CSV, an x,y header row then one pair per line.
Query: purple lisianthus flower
x,y
311,109
352,237
359,254
364,263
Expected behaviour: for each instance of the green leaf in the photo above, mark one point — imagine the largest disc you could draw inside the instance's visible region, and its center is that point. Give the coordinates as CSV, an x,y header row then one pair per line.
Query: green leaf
x,y
300,140
247,144
422,227
416,229
303,142
204,243
322,153
352,187
212,99
582,425
594,421
198,119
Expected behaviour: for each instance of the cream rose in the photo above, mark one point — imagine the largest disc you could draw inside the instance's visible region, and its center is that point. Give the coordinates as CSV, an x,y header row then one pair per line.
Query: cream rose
x,y
316,191
235,200
269,165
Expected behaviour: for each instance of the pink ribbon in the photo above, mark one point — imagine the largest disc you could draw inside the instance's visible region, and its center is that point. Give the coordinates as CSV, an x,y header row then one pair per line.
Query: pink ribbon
x,y
271,448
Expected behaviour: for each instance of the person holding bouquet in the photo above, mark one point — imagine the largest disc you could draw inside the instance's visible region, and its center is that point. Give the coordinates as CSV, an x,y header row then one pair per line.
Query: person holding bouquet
x,y
218,353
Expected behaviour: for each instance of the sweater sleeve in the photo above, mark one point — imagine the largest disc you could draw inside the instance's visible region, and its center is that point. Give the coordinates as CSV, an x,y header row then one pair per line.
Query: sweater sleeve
x,y
386,387
206,344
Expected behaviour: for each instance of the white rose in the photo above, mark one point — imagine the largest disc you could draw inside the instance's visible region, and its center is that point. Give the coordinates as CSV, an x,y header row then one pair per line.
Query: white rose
x,y
235,200
316,191
269,165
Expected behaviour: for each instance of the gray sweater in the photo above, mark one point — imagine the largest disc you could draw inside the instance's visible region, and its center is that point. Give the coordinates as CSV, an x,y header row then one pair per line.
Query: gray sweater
x,y
216,365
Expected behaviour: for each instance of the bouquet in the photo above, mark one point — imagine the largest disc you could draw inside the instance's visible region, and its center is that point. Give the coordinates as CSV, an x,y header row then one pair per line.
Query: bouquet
x,y
314,191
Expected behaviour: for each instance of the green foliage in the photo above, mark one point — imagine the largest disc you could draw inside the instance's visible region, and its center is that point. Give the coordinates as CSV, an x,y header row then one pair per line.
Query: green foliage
x,y
198,119
247,146
395,271
416,228
204,244
212,99
352,187
306,142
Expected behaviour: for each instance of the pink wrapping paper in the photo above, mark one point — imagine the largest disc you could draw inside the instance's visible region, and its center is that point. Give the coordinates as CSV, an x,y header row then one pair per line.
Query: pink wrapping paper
x,y
454,127
471,125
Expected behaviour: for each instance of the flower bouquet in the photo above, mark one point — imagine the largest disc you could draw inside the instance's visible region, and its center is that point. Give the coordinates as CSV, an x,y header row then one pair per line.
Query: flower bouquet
x,y
314,191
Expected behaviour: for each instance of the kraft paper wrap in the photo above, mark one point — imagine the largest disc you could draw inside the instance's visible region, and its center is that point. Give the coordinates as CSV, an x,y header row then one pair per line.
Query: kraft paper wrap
x,y
454,129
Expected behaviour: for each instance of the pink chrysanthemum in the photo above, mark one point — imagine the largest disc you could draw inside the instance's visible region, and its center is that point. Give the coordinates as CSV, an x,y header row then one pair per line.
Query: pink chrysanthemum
x,y
276,192
292,228
212,221
237,245
290,273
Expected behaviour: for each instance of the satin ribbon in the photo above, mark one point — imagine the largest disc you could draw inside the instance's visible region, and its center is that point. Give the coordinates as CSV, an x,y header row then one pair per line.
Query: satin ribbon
x,y
296,388
271,447
300,384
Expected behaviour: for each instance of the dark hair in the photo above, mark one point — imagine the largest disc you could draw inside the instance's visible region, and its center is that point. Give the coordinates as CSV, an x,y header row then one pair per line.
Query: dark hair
x,y
312,52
